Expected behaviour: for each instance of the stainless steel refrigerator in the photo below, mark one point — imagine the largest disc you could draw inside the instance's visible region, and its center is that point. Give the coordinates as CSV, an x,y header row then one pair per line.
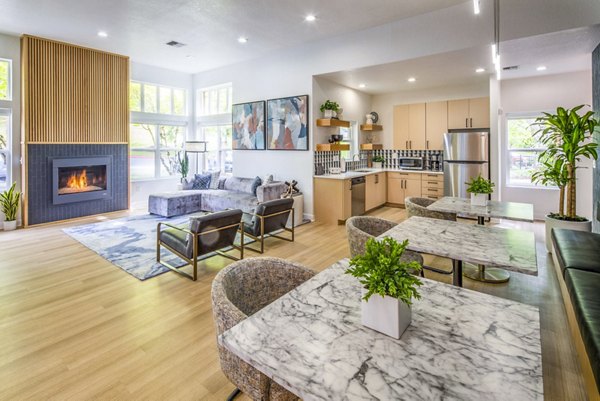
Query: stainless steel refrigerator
x,y
466,155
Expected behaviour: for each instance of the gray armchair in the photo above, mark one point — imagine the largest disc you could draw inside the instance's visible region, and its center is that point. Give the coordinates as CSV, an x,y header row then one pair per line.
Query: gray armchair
x,y
361,228
418,207
240,290
267,218
209,233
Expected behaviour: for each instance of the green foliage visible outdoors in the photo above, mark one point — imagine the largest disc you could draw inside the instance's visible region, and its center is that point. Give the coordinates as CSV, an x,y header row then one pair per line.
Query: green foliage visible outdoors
x,y
480,185
9,201
378,159
381,271
4,78
567,136
329,105
135,96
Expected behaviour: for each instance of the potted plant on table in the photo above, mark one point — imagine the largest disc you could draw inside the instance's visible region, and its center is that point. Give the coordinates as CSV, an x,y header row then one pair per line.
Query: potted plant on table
x,y
9,202
567,137
389,286
183,168
480,189
378,161
329,109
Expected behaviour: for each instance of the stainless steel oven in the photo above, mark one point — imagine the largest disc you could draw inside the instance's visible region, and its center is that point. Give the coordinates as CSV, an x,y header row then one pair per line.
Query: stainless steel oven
x,y
411,163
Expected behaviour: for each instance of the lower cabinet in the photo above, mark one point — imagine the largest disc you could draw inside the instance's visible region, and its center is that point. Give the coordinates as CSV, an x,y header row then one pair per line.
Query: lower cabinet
x,y
402,185
375,190
332,200
432,186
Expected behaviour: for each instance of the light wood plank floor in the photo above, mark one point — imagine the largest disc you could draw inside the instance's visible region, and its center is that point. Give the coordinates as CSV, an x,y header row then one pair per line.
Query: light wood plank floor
x,y
75,327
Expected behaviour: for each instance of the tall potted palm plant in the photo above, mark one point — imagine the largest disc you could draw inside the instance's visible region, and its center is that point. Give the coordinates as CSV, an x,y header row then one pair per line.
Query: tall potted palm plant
x,y
567,136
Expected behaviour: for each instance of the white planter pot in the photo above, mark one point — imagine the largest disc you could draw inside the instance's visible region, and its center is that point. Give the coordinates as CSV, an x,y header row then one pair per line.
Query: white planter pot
x,y
377,165
180,187
570,225
479,199
386,315
328,114
10,225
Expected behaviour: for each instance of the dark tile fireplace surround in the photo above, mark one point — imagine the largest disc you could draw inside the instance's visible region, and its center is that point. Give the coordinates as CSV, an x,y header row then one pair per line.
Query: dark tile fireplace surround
x,y
71,180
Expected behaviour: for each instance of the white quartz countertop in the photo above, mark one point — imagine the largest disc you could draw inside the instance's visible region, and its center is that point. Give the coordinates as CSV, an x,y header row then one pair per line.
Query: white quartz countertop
x,y
368,171
461,346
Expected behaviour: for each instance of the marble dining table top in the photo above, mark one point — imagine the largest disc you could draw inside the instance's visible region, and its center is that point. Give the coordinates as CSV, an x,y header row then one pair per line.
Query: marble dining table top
x,y
461,345
490,246
493,209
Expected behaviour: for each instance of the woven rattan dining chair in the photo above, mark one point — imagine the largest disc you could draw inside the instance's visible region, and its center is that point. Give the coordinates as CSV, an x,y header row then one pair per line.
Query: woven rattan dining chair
x,y
240,290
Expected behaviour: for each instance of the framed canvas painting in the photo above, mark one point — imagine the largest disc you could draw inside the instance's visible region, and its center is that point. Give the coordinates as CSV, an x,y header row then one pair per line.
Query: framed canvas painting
x,y
248,126
287,123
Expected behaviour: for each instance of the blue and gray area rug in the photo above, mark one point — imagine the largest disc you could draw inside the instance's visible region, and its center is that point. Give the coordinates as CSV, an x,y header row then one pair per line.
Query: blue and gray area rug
x,y
129,243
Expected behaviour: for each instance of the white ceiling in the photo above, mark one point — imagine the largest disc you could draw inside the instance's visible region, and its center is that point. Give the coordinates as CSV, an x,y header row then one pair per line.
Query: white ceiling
x,y
560,52
210,28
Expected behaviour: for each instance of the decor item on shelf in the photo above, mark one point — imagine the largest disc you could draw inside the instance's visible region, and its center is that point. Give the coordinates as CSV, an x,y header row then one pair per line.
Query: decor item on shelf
x,y
292,189
374,117
196,147
9,201
369,119
335,138
378,161
183,168
248,126
480,189
389,286
339,114
566,136
287,123
330,109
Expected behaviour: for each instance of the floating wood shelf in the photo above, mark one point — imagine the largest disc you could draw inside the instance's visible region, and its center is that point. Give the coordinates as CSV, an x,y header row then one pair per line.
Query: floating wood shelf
x,y
332,122
332,147
371,146
371,127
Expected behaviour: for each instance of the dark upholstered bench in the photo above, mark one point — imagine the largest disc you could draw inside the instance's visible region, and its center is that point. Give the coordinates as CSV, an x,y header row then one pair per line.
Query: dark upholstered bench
x,y
577,259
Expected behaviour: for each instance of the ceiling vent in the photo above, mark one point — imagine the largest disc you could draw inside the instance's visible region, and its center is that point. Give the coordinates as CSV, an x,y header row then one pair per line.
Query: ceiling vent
x,y
511,68
175,43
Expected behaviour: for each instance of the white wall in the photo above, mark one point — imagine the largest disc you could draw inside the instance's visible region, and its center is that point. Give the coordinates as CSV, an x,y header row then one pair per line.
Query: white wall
x,y
538,94
10,48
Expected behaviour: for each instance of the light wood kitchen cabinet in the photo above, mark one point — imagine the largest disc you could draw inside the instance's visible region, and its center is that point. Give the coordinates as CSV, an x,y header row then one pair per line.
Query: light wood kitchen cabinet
x,y
432,186
332,200
375,190
469,113
402,185
409,126
436,124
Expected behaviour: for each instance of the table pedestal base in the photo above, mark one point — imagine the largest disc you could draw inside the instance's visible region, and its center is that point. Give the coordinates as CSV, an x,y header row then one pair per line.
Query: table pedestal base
x,y
484,274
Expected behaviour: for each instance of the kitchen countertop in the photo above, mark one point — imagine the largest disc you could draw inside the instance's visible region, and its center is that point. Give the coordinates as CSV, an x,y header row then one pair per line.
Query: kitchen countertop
x,y
368,171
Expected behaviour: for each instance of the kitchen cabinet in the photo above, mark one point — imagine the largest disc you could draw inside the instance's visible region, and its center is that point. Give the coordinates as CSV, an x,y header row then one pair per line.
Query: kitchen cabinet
x,y
469,113
432,186
409,126
402,185
436,124
332,200
375,190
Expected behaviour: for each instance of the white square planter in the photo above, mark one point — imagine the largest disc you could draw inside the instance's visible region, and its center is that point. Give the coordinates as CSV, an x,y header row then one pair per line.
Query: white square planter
x,y
479,199
386,315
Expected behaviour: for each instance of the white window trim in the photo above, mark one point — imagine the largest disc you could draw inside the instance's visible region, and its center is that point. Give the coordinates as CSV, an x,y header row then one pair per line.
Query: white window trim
x,y
157,151
158,86
10,83
8,151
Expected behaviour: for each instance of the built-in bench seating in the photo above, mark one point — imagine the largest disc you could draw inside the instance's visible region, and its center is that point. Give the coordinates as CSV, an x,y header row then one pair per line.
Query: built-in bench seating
x,y
577,260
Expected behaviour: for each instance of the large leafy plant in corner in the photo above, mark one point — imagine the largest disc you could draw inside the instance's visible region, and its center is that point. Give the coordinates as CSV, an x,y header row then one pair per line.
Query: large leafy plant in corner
x,y
9,201
381,271
567,136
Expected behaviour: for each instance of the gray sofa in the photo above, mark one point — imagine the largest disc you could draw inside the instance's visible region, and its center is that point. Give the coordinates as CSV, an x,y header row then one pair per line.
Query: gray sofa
x,y
232,193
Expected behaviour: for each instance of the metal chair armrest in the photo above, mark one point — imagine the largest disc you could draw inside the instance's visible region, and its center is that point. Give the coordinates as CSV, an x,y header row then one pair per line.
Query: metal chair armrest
x,y
185,230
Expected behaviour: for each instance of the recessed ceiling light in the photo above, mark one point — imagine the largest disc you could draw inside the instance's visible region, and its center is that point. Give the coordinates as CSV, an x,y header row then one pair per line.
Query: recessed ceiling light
x,y
480,70
102,34
412,79
243,39
476,8
362,85
541,68
310,18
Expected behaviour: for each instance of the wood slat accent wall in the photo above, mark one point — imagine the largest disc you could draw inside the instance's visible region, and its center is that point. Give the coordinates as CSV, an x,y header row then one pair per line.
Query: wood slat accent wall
x,y
73,94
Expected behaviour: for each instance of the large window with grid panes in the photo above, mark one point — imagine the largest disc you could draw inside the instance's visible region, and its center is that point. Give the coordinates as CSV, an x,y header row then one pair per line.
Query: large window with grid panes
x,y
5,123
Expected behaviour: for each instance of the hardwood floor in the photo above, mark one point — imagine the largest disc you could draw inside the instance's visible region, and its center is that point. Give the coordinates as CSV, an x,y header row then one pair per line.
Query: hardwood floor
x,y
75,327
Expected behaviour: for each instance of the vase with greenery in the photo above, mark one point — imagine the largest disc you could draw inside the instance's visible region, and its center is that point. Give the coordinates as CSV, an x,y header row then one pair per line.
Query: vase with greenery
x,y
567,136
329,109
9,203
389,285
183,165
480,189
378,161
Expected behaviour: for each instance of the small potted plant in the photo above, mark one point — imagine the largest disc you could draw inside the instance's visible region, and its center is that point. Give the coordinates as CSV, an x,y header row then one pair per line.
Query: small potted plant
x,y
388,286
9,202
329,109
183,168
480,189
378,161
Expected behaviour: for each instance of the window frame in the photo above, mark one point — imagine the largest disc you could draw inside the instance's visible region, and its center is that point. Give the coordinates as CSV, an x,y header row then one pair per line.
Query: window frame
x,y
9,82
172,90
7,112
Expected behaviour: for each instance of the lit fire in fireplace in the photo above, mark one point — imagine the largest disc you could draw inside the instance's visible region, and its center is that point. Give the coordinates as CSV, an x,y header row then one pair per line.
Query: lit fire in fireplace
x,y
78,181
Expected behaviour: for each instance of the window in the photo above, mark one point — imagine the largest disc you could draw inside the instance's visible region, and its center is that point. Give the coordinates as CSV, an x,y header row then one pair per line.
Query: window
x,y
523,150
5,79
5,129
155,138
214,127
350,137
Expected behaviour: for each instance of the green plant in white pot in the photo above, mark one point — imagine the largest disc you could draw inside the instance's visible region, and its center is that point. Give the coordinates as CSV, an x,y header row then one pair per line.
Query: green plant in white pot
x,y
389,285
329,109
567,136
480,189
9,203
378,161
183,168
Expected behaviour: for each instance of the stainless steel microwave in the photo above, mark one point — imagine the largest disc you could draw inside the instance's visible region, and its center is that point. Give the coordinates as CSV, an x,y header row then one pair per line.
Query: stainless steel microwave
x,y
411,163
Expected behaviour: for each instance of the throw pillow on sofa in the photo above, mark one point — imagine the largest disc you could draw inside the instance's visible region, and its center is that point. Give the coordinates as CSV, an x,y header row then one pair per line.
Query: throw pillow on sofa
x,y
201,181
214,178
238,184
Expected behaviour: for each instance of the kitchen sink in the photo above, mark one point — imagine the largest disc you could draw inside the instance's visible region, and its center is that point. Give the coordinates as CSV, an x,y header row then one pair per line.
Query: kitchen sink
x,y
363,170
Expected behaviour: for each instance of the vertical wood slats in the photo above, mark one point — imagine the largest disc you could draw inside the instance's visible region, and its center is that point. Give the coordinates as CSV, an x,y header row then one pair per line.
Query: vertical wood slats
x,y
74,94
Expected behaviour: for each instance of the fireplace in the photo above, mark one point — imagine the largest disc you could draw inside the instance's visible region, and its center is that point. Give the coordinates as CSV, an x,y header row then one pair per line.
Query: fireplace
x,y
81,179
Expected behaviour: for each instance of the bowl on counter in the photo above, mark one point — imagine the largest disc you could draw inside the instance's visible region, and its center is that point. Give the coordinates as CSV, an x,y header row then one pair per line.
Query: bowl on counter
x,y
335,170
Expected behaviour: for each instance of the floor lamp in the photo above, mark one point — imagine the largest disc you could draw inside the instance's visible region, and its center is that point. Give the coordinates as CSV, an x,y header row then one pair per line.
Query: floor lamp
x,y
196,147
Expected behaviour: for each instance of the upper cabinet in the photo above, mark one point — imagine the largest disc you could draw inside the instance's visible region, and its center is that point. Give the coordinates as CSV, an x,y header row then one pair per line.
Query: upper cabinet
x,y
409,126
469,113
436,124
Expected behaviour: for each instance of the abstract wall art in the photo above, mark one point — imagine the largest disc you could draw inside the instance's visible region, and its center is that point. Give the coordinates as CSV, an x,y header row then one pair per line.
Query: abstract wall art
x,y
248,126
287,123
